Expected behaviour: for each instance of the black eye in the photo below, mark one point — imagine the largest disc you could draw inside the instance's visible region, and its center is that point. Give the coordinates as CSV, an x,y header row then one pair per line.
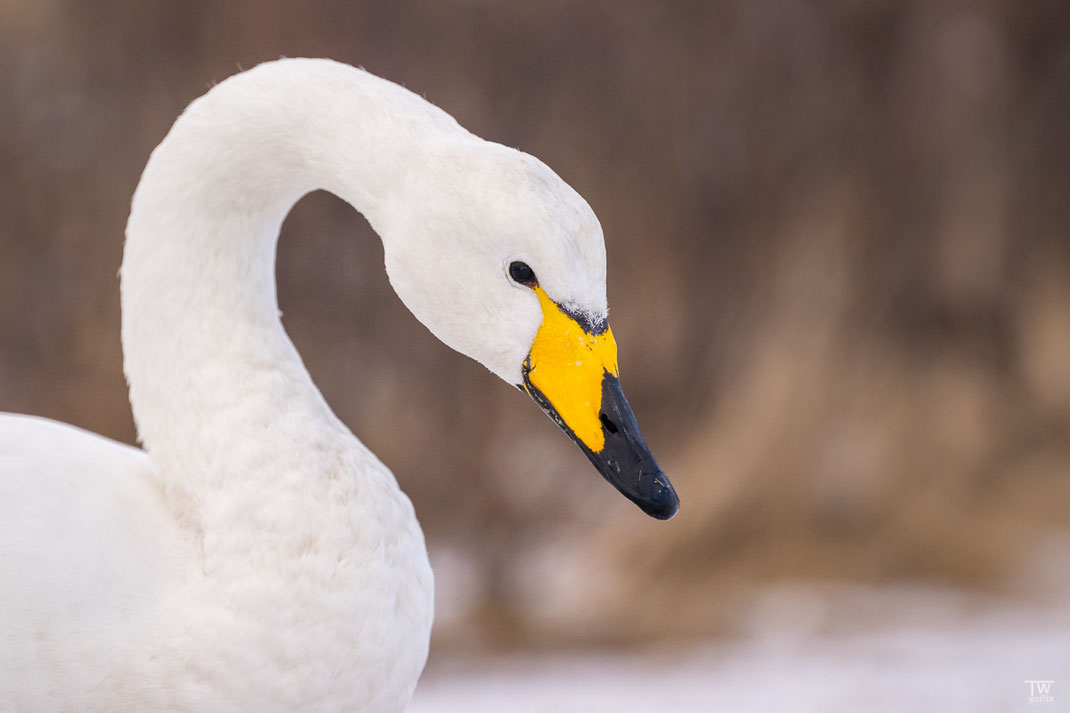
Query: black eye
x,y
523,274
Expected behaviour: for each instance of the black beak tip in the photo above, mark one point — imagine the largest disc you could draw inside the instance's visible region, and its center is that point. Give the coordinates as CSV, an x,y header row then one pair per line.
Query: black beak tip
x,y
661,501
623,459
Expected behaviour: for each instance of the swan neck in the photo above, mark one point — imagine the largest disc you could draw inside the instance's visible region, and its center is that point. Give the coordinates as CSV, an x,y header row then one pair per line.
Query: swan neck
x,y
217,389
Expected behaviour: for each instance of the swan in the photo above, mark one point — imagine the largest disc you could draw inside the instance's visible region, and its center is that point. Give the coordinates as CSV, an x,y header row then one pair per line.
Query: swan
x,y
254,555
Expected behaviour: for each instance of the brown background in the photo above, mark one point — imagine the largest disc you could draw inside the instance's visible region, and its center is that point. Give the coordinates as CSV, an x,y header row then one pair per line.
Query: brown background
x,y
839,260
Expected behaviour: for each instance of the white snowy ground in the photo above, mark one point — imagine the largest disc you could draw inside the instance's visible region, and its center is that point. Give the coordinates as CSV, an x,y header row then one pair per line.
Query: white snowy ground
x,y
909,650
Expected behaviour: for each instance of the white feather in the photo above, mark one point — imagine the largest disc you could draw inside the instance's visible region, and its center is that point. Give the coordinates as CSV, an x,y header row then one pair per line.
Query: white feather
x,y
256,556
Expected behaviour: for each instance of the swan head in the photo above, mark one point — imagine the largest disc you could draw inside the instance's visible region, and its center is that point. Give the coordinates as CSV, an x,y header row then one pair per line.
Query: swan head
x,y
504,262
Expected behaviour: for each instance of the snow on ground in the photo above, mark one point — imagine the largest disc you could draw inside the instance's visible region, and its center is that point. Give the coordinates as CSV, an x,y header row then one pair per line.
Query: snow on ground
x,y
913,650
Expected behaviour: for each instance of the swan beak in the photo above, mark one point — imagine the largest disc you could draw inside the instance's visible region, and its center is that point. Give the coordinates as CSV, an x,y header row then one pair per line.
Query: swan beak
x,y
572,374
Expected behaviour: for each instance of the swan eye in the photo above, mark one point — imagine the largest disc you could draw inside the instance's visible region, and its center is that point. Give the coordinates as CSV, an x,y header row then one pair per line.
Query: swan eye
x,y
523,274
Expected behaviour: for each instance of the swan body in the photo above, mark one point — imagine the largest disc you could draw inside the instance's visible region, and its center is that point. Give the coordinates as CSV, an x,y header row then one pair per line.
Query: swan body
x,y
255,555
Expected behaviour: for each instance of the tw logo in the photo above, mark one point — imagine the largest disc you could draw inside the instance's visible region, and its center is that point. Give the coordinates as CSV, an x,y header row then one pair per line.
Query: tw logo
x,y
1040,691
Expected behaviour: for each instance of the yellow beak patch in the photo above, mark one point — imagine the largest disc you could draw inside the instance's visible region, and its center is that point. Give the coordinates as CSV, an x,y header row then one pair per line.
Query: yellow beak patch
x,y
566,366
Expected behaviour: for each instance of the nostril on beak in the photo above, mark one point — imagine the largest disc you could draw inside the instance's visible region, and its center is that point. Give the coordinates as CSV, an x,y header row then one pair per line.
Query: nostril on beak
x,y
607,423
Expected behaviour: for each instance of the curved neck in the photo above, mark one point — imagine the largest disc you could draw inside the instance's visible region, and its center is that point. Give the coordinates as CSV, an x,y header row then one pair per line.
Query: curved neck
x,y
217,389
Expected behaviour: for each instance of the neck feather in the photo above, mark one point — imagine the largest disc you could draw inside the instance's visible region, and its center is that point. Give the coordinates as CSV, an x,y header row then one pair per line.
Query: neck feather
x,y
218,391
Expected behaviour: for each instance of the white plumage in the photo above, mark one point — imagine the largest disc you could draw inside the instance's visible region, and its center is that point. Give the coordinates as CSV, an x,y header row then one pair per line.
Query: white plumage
x,y
256,556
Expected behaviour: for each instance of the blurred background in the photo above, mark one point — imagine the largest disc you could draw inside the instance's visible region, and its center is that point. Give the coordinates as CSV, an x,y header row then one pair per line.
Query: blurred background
x,y
839,268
